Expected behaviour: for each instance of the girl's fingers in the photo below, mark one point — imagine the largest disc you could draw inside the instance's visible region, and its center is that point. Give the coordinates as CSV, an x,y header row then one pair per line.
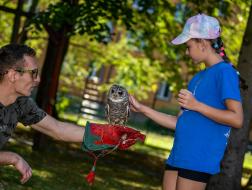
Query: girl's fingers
x,y
185,92
182,95
181,100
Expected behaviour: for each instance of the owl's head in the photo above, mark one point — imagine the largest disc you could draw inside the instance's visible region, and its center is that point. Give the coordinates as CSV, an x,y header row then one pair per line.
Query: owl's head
x,y
117,93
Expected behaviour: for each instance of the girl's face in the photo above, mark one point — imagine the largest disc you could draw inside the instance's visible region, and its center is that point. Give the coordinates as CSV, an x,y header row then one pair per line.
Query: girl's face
x,y
195,50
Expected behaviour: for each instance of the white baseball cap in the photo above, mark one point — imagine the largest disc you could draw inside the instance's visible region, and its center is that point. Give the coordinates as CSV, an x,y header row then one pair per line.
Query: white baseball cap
x,y
199,26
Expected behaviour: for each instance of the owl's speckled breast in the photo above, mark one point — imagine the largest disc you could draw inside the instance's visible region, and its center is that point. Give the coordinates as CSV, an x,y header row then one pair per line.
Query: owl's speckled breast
x,y
117,108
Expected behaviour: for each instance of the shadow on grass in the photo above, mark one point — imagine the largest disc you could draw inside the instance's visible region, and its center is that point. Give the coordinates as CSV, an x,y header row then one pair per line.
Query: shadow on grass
x,y
64,167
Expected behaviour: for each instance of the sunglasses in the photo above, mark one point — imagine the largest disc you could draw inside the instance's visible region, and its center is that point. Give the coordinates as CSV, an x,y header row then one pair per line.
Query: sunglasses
x,y
33,72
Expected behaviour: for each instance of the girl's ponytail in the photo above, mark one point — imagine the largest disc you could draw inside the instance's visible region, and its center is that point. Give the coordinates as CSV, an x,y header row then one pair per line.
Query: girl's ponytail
x,y
218,46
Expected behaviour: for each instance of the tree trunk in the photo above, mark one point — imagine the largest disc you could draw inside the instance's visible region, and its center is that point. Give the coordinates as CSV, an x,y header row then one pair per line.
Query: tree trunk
x,y
17,20
22,37
46,95
231,172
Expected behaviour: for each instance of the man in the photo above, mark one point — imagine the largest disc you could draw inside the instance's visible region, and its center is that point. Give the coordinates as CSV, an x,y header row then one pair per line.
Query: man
x,y
18,77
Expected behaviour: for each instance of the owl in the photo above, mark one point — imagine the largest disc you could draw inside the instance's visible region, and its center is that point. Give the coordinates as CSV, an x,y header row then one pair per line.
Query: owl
x,y
117,109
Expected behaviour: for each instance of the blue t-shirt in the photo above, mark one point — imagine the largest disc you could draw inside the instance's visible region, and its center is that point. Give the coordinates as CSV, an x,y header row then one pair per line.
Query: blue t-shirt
x,y
200,142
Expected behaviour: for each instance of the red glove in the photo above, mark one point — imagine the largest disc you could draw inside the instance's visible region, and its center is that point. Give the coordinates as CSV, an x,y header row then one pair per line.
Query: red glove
x,y
116,135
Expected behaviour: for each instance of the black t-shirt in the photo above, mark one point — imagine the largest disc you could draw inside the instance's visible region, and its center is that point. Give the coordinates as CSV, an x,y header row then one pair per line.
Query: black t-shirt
x,y
23,110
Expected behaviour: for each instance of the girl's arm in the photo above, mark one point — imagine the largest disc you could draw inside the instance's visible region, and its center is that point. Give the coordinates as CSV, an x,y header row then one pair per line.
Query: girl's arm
x,y
233,116
165,120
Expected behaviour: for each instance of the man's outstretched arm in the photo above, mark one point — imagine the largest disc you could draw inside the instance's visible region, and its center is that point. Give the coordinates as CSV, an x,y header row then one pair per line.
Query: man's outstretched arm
x,y
60,130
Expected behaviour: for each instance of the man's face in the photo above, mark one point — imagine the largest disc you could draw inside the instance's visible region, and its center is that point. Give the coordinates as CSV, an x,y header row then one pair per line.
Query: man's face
x,y
27,77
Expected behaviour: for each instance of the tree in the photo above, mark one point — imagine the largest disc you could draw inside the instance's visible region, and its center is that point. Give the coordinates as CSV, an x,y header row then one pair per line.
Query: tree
x,y
61,21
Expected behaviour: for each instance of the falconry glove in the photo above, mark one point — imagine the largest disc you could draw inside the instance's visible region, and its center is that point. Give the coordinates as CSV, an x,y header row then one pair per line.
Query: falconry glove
x,y
102,139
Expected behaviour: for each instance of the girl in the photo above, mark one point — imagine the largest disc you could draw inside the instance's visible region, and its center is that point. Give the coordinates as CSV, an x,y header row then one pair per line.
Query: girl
x,y
209,107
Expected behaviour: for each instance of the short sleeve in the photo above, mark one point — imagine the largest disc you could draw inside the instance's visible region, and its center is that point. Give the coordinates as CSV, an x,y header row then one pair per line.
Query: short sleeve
x,y
229,84
30,113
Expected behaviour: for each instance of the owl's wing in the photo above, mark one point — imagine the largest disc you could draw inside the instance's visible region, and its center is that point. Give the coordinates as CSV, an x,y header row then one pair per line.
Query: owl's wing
x,y
107,112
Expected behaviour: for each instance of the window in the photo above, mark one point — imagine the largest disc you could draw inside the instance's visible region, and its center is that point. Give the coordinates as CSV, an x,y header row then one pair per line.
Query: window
x,y
163,91
95,74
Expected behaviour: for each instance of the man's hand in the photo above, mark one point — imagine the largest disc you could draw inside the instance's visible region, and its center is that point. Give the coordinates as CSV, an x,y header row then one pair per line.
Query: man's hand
x,y
122,136
103,136
11,158
24,169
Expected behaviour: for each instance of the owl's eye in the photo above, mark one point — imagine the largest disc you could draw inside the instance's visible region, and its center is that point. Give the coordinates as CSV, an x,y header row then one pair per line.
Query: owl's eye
x,y
112,91
120,93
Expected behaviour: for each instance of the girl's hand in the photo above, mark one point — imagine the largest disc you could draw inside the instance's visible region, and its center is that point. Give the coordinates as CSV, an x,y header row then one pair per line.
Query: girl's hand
x,y
187,100
134,104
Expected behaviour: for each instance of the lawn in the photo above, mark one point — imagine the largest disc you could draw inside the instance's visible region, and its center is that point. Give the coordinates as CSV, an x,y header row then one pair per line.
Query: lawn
x,y
64,166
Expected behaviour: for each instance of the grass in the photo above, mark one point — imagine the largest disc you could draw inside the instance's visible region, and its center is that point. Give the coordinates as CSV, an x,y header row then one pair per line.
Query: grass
x,y
247,168
248,160
64,166
67,169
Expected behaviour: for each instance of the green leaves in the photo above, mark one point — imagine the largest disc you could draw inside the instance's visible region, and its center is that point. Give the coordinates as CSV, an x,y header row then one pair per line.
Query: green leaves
x,y
91,17
142,55
138,35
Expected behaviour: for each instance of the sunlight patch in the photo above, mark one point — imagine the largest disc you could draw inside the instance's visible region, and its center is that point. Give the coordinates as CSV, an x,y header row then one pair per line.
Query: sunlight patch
x,y
42,174
134,184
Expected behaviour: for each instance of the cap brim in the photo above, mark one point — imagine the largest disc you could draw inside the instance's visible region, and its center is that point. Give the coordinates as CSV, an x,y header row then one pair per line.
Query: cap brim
x,y
180,39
